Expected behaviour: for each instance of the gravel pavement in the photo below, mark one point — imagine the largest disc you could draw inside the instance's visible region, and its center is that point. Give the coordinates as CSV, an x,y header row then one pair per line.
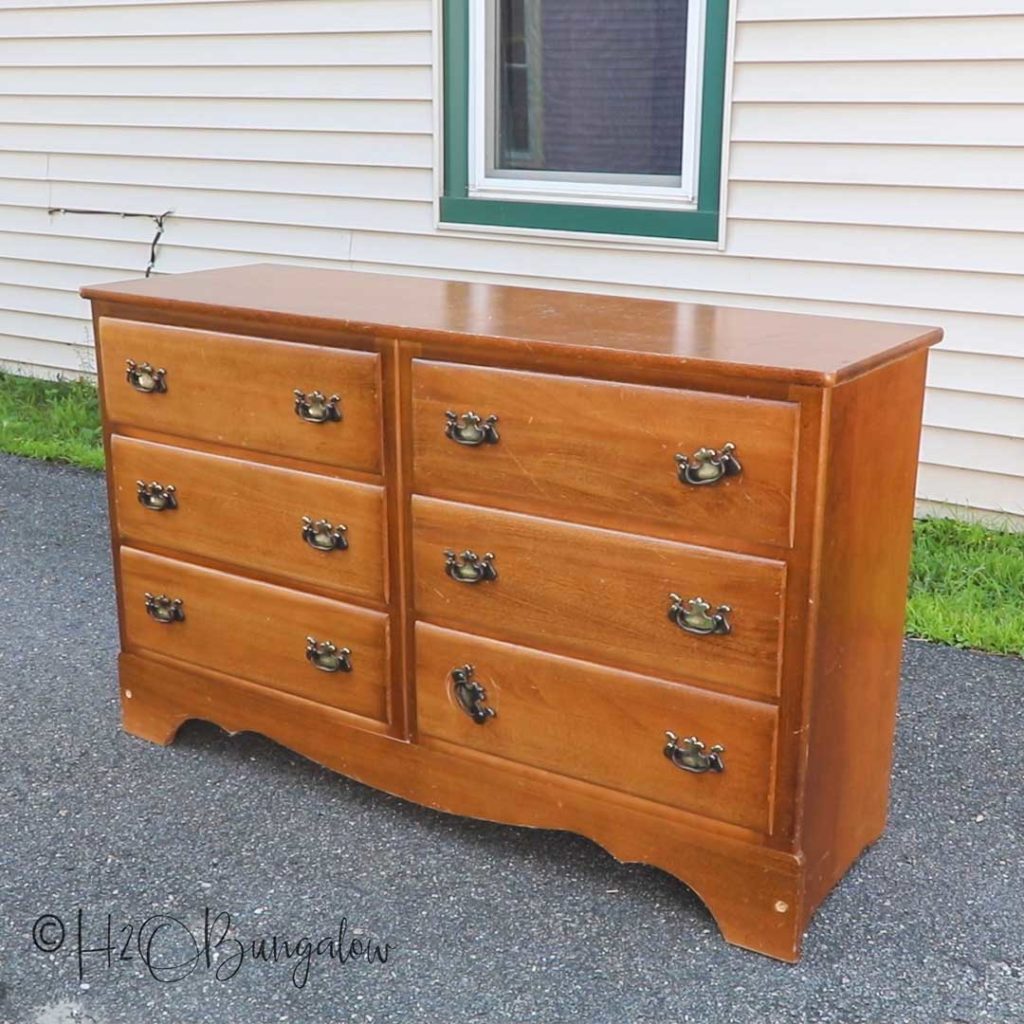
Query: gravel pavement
x,y
483,923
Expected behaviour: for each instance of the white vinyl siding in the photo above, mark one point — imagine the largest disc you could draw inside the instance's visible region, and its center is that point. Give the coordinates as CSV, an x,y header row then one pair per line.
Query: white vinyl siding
x,y
876,169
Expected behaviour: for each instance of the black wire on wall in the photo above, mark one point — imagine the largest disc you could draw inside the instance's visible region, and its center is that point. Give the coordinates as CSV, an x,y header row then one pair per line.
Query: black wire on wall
x,y
159,219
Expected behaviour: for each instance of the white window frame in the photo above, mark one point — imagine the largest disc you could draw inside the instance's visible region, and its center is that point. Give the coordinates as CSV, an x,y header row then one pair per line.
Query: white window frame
x,y
620,190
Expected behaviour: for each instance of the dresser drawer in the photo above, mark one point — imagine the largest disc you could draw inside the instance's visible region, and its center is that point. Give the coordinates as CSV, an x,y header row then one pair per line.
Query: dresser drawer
x,y
598,724
252,515
241,392
605,453
600,595
257,631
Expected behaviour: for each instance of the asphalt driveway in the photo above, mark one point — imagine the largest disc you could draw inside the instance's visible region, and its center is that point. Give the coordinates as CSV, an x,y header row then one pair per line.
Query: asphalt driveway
x,y
481,922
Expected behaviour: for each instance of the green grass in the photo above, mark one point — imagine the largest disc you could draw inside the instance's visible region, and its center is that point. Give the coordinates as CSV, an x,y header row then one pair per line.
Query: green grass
x,y
966,581
967,586
54,420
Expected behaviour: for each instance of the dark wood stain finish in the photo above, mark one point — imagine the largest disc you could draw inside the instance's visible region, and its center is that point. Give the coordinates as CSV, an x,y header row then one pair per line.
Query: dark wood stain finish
x,y
580,503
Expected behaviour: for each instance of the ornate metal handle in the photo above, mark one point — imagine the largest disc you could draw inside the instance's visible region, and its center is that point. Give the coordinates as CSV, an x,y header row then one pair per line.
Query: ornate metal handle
x,y
144,378
471,430
708,465
326,657
469,567
690,756
322,536
165,610
315,408
156,496
470,695
696,616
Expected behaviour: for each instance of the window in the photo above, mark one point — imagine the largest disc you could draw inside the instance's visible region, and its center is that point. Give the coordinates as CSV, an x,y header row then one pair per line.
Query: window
x,y
593,116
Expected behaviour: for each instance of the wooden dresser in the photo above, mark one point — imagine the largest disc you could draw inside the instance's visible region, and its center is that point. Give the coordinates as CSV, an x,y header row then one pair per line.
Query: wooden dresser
x,y
629,568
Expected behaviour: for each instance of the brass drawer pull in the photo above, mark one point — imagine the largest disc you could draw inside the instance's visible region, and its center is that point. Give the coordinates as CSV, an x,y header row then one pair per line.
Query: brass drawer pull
x,y
322,536
696,616
165,610
315,408
156,496
470,695
469,567
326,657
471,430
144,378
690,756
708,465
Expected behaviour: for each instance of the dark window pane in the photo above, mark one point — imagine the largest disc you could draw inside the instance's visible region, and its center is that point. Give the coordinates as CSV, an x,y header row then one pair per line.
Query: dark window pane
x,y
592,86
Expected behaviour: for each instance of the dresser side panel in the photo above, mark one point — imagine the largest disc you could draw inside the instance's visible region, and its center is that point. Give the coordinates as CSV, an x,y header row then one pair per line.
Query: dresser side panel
x,y
866,533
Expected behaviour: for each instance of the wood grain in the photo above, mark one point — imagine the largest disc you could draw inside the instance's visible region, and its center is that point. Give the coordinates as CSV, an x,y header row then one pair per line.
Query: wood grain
x,y
601,596
257,631
249,514
599,724
603,453
239,392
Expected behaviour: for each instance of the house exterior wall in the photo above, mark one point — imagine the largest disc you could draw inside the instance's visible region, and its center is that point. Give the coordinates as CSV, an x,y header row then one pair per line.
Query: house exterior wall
x,y
875,169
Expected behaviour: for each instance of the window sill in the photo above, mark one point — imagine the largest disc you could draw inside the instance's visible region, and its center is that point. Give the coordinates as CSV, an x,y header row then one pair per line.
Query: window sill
x,y
584,221
575,239
667,200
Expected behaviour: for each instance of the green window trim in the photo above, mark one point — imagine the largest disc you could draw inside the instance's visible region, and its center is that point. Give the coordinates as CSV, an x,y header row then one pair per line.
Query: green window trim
x,y
458,207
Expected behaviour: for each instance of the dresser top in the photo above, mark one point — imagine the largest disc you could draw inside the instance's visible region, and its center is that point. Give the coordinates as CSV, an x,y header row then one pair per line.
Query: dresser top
x,y
792,347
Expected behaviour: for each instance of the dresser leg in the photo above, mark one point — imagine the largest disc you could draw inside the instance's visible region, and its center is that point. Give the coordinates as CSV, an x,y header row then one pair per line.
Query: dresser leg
x,y
774,932
143,712
759,907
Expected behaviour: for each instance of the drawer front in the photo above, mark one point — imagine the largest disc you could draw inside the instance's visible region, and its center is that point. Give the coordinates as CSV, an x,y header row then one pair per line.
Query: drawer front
x,y
252,515
598,724
605,453
599,595
241,392
257,632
